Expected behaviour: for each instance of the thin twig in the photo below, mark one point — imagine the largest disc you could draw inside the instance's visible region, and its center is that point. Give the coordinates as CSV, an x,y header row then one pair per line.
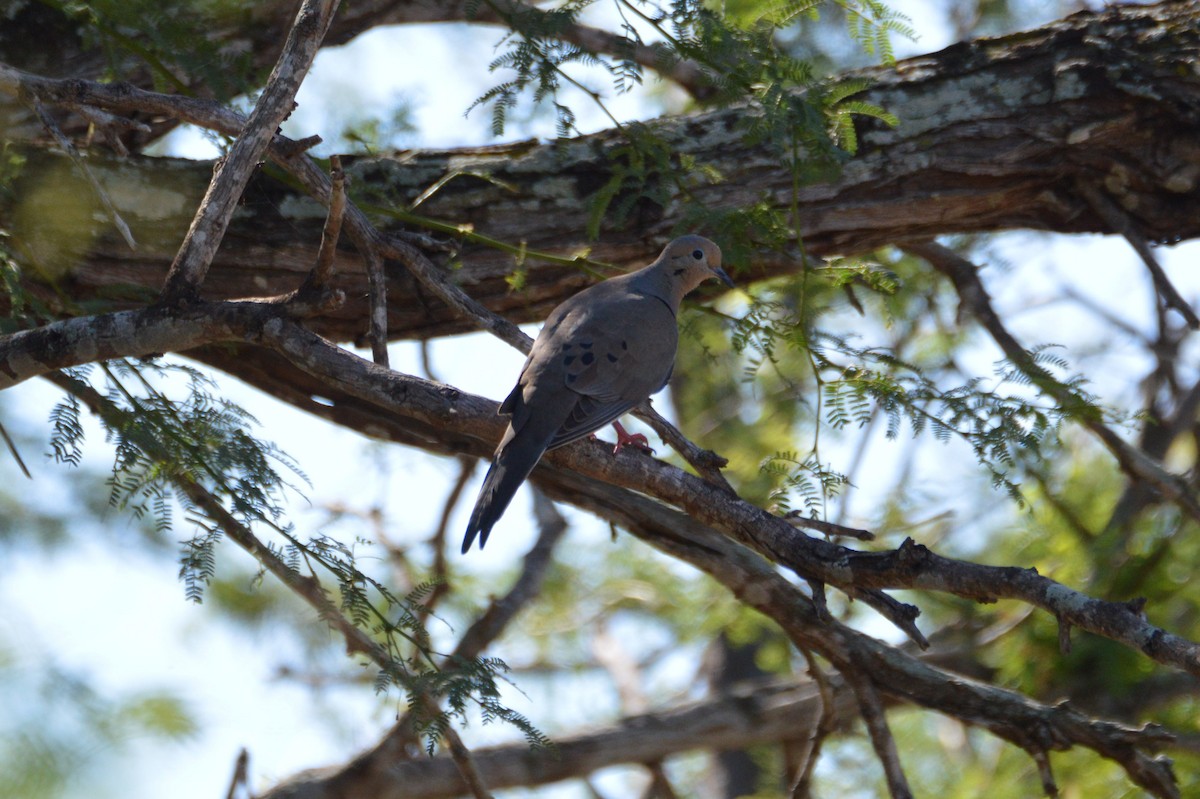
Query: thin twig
x,y
822,726
463,759
1120,222
239,778
377,286
435,281
101,194
466,468
333,223
500,612
1042,758
875,716
1135,463
706,462
796,518
12,448
492,622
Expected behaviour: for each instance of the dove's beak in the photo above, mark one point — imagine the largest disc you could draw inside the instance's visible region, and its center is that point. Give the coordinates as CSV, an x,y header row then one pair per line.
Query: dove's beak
x,y
724,276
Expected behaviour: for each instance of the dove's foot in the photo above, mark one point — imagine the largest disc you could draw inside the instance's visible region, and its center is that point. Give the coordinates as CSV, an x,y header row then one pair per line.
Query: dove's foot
x,y
627,439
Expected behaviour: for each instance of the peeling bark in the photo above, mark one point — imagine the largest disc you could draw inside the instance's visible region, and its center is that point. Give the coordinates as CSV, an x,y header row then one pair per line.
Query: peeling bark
x,y
995,134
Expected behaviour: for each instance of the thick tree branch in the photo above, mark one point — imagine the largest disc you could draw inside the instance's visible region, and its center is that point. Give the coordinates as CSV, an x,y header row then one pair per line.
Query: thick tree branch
x,y
71,58
752,714
441,418
1002,134
1033,726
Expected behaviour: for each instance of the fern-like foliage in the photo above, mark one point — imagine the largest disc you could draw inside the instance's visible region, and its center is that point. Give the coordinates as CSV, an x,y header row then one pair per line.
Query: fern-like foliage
x,y
161,35
165,447
1007,418
538,58
804,478
66,434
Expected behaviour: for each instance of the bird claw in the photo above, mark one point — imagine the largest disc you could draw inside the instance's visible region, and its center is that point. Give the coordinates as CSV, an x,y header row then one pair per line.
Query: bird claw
x,y
627,439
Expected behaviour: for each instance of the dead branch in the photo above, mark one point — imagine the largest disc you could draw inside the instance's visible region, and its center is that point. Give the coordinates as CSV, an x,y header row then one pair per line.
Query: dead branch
x,y
233,172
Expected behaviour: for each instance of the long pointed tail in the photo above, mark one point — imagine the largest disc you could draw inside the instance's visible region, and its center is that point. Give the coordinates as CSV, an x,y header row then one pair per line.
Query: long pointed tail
x,y
513,463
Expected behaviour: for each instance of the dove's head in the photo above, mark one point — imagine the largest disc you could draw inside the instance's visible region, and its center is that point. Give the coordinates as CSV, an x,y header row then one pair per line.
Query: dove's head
x,y
688,261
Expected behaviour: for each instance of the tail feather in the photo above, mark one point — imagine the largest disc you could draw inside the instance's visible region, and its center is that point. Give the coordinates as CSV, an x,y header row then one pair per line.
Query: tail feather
x,y
512,464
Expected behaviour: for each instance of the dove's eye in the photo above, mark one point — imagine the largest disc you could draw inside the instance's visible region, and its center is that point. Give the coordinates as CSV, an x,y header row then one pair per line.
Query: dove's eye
x,y
697,254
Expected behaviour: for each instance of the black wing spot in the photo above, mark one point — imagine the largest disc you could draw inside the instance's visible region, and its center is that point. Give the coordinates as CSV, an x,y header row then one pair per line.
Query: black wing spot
x,y
679,271
587,358
612,358
587,345
567,360
571,378
698,254
624,345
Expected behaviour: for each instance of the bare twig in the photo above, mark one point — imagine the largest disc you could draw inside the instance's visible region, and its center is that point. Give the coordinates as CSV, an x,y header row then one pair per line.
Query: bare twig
x,y
973,295
1120,222
239,778
882,740
796,518
1046,774
500,612
466,468
101,194
487,628
464,761
379,321
435,281
706,462
233,173
333,223
822,726
12,448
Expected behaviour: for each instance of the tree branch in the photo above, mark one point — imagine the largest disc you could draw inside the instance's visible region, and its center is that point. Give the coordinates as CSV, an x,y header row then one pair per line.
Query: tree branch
x,y
1005,158
745,716
974,297
432,412
233,171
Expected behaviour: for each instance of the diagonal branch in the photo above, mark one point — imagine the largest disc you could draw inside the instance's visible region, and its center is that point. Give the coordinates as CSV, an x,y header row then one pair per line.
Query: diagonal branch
x,y
974,297
99,191
432,415
1120,223
755,582
233,172
870,705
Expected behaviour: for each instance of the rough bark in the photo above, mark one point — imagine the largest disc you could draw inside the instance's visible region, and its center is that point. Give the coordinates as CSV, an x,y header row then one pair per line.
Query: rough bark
x,y
994,134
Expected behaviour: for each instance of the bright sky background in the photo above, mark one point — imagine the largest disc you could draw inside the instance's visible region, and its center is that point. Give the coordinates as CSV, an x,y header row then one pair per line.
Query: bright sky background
x,y
136,630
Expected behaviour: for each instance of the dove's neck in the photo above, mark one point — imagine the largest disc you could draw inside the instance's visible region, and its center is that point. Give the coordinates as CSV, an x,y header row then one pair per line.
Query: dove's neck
x,y
657,282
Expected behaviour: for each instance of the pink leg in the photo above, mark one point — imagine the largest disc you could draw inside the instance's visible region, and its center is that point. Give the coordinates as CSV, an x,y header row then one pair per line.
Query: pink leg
x,y
627,439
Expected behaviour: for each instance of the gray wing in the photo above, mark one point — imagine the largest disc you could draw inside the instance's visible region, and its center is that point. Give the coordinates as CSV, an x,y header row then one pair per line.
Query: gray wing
x,y
612,360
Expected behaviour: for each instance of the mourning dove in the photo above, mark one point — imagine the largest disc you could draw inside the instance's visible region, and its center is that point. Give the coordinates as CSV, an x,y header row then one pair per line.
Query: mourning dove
x,y
599,354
